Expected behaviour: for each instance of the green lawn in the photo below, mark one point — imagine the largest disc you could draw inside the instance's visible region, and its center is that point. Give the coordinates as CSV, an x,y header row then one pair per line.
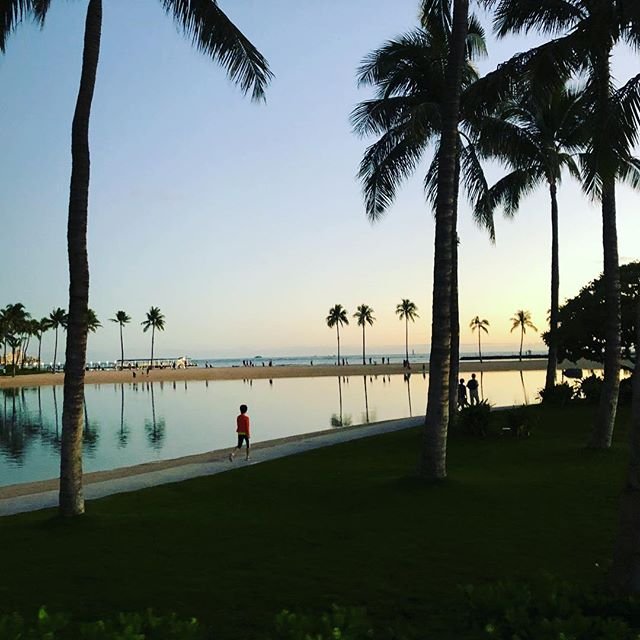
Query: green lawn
x,y
349,524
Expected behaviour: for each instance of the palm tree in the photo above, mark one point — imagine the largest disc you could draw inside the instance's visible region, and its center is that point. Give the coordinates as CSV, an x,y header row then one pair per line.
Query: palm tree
x,y
44,324
57,318
337,317
409,114
16,321
364,315
121,318
215,35
407,310
479,325
93,324
589,32
155,320
522,321
536,134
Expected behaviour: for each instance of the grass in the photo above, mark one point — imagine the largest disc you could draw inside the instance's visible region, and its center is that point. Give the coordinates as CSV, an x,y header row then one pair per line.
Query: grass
x,y
349,524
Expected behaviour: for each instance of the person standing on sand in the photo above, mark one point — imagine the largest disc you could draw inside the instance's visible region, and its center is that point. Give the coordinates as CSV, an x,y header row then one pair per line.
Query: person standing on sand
x,y
243,429
472,385
462,394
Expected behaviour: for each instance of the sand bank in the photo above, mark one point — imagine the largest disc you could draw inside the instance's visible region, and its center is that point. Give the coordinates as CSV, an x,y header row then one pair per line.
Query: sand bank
x,y
283,371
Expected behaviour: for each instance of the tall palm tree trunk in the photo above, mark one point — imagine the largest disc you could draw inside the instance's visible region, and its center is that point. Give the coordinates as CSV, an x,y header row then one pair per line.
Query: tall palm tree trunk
x,y
406,338
433,458
121,349
521,340
55,351
624,575
153,337
479,347
13,361
39,352
363,350
338,335
71,495
552,361
455,309
602,431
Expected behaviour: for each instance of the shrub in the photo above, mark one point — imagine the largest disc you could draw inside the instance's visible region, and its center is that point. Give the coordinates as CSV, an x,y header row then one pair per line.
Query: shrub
x,y
558,396
590,388
341,623
517,422
546,609
474,420
124,626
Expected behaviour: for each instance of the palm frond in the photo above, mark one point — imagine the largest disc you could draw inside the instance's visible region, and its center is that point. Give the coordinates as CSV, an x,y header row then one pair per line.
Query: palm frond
x,y
379,115
630,172
550,16
507,193
476,187
213,33
430,183
12,13
386,164
476,39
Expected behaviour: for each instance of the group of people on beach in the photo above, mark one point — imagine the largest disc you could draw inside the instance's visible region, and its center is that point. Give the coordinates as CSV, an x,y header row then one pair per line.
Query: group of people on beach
x,y
472,386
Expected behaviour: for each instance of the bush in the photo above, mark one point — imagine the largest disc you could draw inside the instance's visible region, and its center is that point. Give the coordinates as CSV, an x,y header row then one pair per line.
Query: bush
x,y
474,420
341,623
546,609
517,422
558,396
124,626
590,388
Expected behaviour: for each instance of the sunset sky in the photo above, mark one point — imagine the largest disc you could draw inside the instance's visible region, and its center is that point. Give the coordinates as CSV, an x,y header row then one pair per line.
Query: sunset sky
x,y
244,222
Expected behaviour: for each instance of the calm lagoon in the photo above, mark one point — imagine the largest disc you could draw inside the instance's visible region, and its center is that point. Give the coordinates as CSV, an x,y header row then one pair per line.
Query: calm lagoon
x,y
128,424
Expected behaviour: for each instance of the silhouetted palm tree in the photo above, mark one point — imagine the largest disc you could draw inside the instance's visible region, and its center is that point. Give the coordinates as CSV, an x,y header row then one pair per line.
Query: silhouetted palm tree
x,y
589,31
57,318
479,325
155,320
407,310
336,318
215,35
43,326
365,316
522,321
536,134
93,324
121,318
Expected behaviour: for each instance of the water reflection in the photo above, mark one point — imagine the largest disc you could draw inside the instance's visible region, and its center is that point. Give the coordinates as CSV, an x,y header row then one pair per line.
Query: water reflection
x,y
407,379
155,429
139,422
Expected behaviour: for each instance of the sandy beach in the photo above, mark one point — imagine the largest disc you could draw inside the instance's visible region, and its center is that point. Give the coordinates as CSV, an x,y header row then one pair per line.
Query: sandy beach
x,y
285,371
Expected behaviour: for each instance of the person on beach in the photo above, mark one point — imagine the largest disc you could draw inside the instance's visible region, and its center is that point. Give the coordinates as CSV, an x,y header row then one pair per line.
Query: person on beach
x,y
243,429
472,385
462,394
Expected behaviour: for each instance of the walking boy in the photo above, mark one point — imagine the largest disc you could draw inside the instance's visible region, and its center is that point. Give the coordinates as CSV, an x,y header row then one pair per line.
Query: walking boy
x,y
243,430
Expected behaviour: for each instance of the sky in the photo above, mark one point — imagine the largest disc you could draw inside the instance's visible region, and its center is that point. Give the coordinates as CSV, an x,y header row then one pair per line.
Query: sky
x,y
244,222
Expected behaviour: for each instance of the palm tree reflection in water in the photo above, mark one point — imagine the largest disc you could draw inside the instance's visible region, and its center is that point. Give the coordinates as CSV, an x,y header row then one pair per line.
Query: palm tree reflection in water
x,y
123,436
407,379
338,420
366,400
156,429
524,388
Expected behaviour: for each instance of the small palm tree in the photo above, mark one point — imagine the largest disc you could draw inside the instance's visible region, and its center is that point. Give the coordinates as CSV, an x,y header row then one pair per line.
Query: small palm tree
x,y
44,324
406,311
479,325
121,318
57,318
337,317
93,324
522,320
364,315
155,320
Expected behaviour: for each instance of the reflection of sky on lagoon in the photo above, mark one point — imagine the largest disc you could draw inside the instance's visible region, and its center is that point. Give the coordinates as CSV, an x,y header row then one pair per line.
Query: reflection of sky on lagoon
x,y
134,423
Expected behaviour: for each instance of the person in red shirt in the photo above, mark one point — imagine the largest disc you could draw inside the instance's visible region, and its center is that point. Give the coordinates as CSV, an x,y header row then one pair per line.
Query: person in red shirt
x,y
243,429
